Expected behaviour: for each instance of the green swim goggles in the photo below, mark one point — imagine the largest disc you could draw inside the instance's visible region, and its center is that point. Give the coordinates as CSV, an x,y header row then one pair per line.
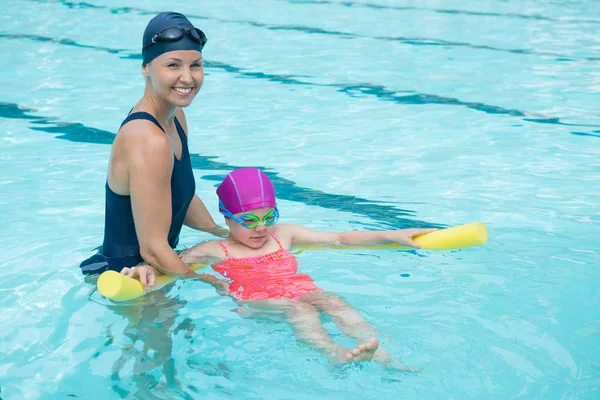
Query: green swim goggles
x,y
251,221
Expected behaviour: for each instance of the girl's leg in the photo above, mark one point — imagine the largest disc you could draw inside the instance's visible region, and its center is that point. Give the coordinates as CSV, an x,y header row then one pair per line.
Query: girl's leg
x,y
348,320
346,317
305,320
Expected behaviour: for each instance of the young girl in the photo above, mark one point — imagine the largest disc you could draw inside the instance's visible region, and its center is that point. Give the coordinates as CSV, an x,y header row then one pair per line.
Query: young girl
x,y
263,275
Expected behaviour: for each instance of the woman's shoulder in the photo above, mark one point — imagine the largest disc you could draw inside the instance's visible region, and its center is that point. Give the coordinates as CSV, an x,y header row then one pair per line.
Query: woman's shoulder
x,y
140,127
143,134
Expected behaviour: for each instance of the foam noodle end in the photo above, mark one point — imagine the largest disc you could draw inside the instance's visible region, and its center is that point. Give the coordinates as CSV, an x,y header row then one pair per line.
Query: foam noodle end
x,y
118,287
458,237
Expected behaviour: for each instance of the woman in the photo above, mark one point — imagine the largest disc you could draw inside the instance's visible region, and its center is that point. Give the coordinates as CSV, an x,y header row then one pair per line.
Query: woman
x,y
150,188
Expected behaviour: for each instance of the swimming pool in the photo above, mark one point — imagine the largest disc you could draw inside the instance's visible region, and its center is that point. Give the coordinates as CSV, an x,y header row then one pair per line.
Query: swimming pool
x,y
367,114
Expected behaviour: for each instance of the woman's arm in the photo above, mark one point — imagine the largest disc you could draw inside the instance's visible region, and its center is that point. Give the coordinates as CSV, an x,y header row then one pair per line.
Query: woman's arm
x,y
149,168
300,234
198,217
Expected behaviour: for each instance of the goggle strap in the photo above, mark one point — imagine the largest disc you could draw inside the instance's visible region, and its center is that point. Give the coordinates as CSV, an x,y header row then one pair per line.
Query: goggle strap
x,y
200,37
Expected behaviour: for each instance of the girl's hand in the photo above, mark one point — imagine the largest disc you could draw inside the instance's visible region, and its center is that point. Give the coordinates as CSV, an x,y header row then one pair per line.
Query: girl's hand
x,y
145,273
222,287
405,236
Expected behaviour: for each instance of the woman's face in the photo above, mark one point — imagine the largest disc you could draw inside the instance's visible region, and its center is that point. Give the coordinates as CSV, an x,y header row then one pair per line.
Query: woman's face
x,y
176,76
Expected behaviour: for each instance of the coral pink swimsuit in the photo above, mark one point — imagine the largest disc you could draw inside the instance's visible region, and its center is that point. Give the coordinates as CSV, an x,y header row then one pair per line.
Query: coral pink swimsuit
x,y
270,276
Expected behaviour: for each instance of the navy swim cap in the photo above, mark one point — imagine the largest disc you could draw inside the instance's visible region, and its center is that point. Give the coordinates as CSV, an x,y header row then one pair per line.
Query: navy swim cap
x,y
156,25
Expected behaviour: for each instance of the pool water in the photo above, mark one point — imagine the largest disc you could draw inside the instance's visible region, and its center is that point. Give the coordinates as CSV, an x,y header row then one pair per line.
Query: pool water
x,y
367,114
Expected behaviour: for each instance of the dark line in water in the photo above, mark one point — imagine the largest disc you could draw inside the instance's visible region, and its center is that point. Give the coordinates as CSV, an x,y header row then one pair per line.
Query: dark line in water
x,y
390,217
375,6
65,42
421,98
413,41
379,91
553,121
586,134
439,42
352,90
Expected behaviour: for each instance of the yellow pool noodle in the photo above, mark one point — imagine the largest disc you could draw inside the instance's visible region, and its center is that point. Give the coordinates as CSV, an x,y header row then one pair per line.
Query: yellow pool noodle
x,y
118,287
458,237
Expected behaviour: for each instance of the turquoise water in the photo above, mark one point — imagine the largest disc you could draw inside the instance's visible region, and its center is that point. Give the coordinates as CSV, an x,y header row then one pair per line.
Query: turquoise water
x,y
368,115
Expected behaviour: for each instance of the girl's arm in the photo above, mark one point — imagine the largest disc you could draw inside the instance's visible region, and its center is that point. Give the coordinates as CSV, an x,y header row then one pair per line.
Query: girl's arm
x,y
204,253
208,252
147,275
300,234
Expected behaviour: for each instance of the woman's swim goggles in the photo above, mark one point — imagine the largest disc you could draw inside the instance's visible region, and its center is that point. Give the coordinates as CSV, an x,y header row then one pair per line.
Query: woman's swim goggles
x,y
175,33
251,221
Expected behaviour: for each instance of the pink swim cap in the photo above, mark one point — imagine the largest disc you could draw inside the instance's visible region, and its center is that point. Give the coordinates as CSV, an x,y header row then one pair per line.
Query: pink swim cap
x,y
246,189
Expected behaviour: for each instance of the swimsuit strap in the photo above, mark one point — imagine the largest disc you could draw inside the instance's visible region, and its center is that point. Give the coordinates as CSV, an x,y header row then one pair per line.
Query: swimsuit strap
x,y
180,131
277,240
142,115
224,249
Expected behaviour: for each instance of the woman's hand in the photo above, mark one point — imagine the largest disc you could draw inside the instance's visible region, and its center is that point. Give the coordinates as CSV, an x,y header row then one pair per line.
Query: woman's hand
x,y
405,236
220,231
145,273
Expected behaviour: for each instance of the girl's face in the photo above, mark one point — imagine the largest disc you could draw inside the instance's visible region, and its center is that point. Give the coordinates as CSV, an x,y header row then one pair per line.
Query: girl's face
x,y
176,76
255,237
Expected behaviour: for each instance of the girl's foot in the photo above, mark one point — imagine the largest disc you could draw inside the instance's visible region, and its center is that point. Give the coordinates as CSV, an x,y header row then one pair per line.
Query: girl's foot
x,y
363,352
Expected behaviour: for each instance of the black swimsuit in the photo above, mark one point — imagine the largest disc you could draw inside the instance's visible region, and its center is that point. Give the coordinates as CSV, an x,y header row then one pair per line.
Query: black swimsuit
x,y
121,247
